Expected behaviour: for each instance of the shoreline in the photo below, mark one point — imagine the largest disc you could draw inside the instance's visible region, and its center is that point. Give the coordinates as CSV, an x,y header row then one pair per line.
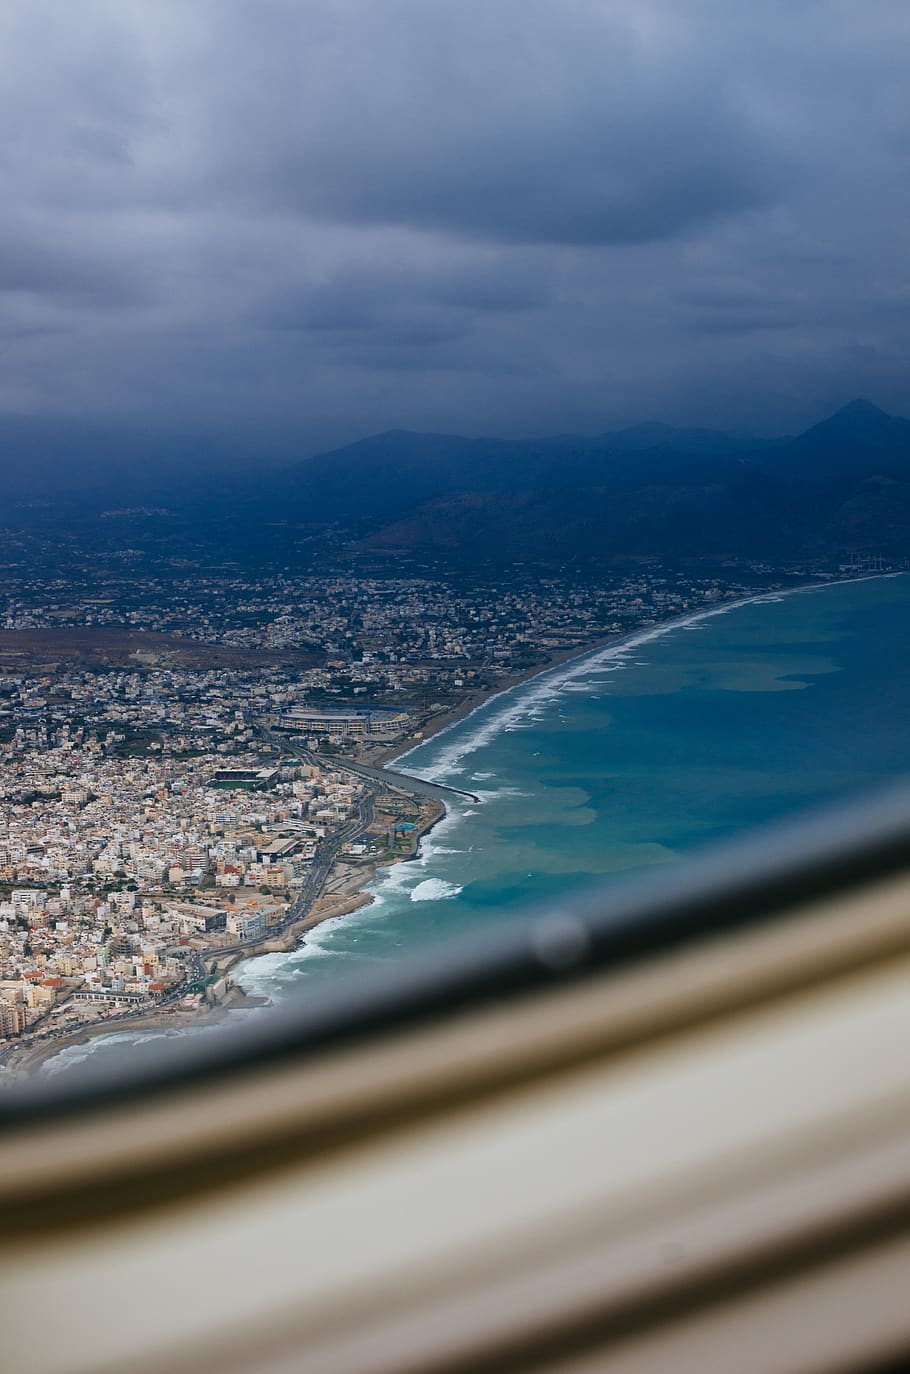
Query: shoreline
x,y
475,702
350,893
347,895
393,754
152,1021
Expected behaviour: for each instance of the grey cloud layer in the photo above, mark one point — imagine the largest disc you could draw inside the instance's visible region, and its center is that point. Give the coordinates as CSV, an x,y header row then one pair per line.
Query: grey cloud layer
x,y
513,215
527,123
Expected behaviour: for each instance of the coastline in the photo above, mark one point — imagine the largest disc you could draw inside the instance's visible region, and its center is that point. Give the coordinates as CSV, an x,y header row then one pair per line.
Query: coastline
x,y
345,890
30,1058
394,754
476,701
344,894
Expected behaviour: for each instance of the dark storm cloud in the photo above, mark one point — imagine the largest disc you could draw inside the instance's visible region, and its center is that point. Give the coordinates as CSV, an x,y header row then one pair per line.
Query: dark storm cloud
x,y
509,216
521,122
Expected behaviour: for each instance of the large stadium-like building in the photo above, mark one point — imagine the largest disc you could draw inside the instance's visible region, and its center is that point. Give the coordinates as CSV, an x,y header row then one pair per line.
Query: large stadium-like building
x,y
345,722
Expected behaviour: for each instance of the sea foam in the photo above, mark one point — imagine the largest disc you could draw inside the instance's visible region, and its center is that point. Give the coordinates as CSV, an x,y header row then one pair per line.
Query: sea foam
x,y
520,707
435,890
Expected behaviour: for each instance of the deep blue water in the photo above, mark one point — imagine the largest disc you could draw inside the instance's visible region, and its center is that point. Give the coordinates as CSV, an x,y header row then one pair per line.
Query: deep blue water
x,y
631,757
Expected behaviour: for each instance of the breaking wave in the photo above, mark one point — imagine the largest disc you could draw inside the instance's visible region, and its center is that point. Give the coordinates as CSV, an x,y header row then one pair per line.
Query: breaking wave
x,y
520,707
435,890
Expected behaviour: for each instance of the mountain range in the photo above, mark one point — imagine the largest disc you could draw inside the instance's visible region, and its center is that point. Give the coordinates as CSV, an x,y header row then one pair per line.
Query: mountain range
x,y
648,491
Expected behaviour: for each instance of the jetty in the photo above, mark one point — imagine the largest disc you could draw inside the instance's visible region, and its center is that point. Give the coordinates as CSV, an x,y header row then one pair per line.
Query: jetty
x,y
405,782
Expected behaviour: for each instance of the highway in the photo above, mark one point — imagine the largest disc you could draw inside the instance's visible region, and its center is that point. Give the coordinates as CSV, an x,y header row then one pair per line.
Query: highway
x,y
323,862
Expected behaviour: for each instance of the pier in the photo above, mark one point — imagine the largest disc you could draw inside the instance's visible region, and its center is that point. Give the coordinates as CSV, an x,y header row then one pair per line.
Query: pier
x,y
406,782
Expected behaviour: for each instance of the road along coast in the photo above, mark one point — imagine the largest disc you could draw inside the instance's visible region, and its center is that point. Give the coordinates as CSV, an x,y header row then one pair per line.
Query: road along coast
x,y
338,893
339,882
396,757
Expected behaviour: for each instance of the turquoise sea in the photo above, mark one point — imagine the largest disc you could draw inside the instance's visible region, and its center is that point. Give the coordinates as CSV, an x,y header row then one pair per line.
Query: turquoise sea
x,y
635,756
632,756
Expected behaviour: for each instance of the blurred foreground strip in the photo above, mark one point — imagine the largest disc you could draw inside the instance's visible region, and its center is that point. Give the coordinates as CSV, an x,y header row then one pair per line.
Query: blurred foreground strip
x,y
696,1159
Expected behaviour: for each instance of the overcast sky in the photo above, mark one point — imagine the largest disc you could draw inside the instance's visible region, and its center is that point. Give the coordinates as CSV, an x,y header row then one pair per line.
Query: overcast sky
x,y
321,218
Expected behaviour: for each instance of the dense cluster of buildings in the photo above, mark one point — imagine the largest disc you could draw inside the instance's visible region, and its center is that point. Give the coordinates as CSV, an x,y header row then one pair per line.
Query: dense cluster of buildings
x,y
148,809
370,621
114,871
393,652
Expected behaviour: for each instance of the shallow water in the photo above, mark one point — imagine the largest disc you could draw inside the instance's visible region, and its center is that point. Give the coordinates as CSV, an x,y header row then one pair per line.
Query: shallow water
x,y
631,757
634,756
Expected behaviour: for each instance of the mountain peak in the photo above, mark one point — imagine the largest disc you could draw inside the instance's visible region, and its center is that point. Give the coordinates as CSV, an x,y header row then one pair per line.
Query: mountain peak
x,y
857,422
860,409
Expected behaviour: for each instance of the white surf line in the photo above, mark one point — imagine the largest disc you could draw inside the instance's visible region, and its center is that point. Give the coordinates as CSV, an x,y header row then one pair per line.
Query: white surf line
x,y
610,651
524,693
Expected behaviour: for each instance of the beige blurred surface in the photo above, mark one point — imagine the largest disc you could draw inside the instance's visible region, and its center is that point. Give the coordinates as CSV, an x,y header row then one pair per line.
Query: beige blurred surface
x,y
702,1163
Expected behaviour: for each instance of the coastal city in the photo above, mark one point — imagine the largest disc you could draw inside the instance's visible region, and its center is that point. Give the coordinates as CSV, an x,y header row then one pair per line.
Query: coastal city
x,y
192,771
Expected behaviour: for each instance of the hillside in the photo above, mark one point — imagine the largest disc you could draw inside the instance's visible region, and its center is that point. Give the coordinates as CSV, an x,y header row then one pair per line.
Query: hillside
x,y
648,491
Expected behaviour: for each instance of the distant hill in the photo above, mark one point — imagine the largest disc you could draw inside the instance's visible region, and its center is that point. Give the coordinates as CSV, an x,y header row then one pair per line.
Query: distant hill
x,y
641,438
651,490
858,442
391,474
